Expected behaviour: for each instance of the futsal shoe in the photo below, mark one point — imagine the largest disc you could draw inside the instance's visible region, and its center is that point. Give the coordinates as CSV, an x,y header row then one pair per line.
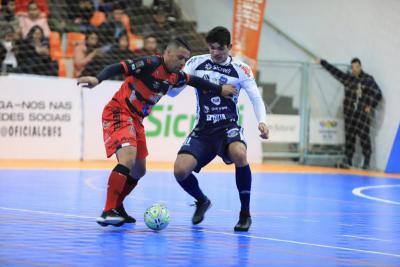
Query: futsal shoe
x,y
244,222
111,217
201,208
127,217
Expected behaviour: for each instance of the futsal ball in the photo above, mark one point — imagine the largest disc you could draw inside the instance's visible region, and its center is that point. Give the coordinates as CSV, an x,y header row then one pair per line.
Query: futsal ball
x,y
156,217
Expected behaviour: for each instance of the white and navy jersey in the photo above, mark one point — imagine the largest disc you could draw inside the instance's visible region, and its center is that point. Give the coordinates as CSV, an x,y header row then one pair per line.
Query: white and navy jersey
x,y
214,111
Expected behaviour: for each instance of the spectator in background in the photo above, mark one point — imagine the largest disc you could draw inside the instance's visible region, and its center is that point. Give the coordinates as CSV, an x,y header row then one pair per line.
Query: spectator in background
x,y
33,54
79,15
22,7
160,27
150,47
113,27
171,9
7,15
361,96
86,52
7,45
120,51
26,22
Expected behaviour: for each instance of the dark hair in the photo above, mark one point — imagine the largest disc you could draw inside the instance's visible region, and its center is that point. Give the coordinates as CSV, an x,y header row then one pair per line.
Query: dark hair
x,y
220,35
179,42
29,36
356,60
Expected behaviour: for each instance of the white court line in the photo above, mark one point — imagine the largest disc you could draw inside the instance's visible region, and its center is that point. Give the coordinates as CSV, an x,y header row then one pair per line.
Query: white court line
x,y
226,233
358,192
368,238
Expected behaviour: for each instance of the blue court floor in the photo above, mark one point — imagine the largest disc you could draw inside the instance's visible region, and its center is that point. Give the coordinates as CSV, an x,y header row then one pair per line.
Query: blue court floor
x,y
47,218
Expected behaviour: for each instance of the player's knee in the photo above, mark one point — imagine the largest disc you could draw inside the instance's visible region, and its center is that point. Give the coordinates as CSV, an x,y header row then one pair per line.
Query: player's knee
x,y
239,157
180,172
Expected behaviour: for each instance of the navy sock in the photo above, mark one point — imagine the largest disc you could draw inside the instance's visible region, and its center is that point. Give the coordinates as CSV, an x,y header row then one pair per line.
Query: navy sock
x,y
191,185
243,183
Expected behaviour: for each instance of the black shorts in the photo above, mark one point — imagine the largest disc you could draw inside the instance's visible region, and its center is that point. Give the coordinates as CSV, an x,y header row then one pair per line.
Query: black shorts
x,y
206,147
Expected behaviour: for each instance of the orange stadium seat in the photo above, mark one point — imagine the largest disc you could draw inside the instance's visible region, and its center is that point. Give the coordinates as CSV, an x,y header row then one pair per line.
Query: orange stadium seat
x,y
98,18
62,71
73,38
55,45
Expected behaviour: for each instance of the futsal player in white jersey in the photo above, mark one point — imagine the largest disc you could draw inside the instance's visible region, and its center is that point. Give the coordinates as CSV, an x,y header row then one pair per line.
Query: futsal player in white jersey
x,y
217,131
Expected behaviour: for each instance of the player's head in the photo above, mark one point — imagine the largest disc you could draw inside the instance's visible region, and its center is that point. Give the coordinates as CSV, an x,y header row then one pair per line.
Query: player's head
x,y
219,43
356,66
176,54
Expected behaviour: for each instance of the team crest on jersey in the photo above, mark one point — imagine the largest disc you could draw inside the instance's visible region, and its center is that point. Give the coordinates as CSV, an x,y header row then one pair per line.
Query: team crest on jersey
x,y
156,85
232,132
223,80
206,109
216,100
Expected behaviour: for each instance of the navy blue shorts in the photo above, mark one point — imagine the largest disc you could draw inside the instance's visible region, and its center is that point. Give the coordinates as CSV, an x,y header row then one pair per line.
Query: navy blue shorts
x,y
206,147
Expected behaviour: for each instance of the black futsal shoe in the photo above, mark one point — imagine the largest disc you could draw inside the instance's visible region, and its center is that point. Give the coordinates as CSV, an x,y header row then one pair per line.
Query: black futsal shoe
x,y
244,222
201,208
111,217
125,215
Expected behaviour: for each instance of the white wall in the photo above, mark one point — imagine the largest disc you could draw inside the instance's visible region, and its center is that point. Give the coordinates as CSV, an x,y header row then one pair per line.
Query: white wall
x,y
336,30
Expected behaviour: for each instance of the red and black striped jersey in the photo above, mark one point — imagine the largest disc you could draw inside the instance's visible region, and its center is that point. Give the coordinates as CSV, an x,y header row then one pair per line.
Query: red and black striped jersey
x,y
147,80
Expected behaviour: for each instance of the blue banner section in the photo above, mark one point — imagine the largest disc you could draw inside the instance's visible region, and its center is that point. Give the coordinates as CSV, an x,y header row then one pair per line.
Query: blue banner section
x,y
393,165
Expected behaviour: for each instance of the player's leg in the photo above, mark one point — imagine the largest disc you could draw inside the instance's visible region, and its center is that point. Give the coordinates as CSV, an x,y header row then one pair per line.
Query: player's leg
x,y
117,182
237,152
120,138
195,153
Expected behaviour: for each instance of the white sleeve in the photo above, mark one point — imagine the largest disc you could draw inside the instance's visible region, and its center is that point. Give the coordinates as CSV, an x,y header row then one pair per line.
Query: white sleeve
x,y
189,67
250,86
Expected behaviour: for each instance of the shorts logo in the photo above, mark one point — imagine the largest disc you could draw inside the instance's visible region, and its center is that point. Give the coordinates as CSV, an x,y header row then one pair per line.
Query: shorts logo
x,y
206,109
232,132
216,100
223,80
106,124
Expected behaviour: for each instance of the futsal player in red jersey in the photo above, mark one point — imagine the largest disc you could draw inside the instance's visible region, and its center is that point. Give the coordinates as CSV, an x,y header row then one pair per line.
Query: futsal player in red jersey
x,y
147,80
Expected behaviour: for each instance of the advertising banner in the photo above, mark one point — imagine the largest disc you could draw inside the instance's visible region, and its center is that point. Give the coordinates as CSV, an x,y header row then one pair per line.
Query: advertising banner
x,y
326,131
40,118
248,16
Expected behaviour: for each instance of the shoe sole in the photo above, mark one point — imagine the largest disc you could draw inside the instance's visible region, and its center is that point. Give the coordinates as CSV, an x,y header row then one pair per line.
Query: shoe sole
x,y
107,221
195,223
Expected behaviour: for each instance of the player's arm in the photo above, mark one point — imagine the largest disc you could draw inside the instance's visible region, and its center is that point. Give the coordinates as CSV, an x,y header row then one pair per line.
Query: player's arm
x,y
252,91
226,90
128,67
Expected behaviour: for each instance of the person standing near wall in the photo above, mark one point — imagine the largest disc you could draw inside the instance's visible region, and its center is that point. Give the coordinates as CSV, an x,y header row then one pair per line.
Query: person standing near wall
x,y
361,96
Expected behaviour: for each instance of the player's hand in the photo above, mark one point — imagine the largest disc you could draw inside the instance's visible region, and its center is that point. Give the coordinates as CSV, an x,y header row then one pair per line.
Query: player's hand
x,y
264,131
88,81
228,91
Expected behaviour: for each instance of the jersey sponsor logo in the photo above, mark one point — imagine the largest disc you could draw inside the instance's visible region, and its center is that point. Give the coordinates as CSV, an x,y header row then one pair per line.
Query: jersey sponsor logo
x,y
232,132
246,70
216,100
208,66
206,109
215,117
219,108
225,70
223,80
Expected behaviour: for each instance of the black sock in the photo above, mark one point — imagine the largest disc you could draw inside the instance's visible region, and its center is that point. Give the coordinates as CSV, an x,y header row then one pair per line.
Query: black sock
x,y
191,185
243,183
